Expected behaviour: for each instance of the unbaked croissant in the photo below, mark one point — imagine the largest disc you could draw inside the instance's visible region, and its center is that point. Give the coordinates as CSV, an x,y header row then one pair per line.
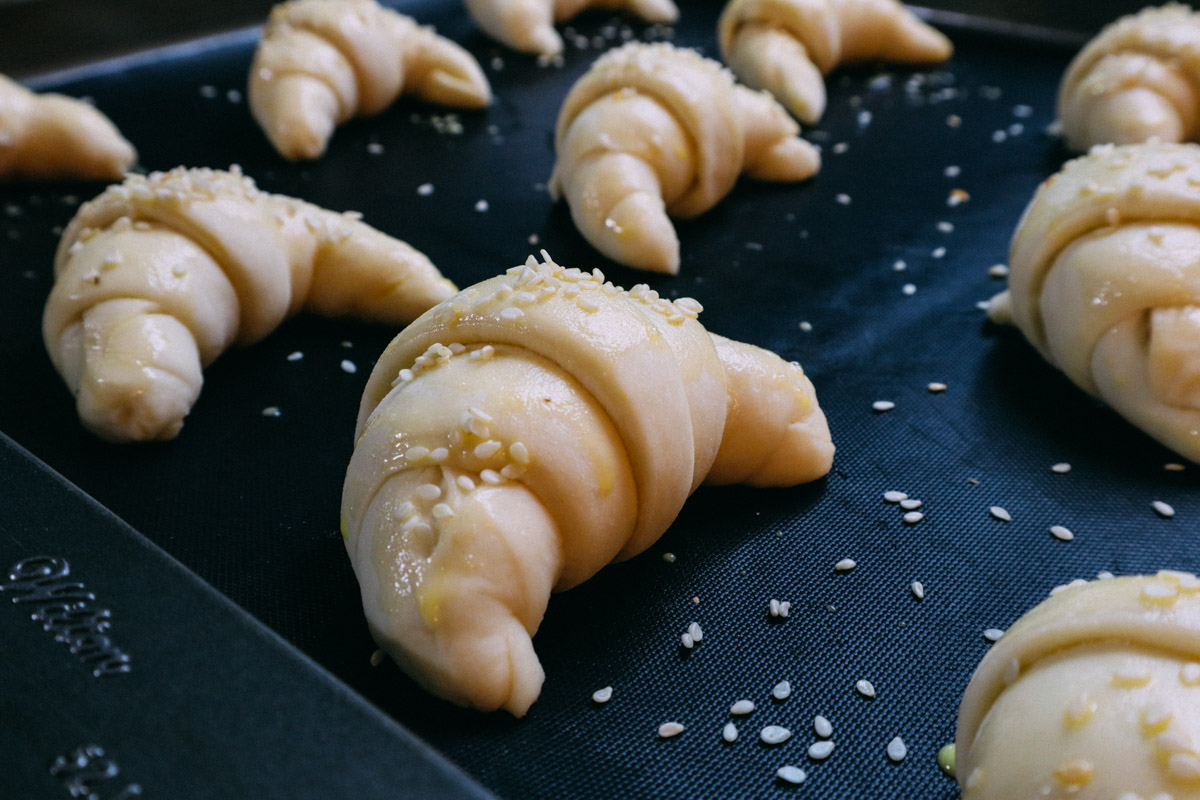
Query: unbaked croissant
x,y
788,46
1104,281
652,130
1138,79
528,25
521,435
51,136
321,62
159,275
1094,694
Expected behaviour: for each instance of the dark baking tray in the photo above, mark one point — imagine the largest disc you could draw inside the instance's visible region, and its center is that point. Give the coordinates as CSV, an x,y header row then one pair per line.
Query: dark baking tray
x,y
250,502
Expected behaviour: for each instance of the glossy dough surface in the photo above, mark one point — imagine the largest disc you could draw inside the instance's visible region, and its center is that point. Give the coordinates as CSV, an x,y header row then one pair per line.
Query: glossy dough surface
x,y
158,275
528,25
528,431
1104,281
51,136
1138,79
788,46
652,131
321,62
1093,695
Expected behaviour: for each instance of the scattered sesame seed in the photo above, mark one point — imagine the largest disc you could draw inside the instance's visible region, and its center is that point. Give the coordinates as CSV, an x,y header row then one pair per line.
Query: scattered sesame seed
x,y
900,265
897,750
534,238
843,199
774,734
296,356
936,387
781,690
1016,129
913,517
1062,468
819,751
973,481
375,148
511,313
730,732
883,405
695,632
957,197
687,641
481,206
822,727
909,289
998,271
840,148
993,634
271,411
1173,467
602,695
938,252
865,688
425,189
894,496
790,774
918,590
983,305
348,366
1000,513
669,558
954,120
952,171
1061,533
845,565
1163,509
806,326
1104,575
377,658
741,708
910,503
999,136
1022,111
669,729
208,92
233,96
945,227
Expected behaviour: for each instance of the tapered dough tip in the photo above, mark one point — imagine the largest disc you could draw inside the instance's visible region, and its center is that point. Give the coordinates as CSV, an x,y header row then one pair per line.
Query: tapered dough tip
x,y
461,90
919,43
638,233
298,117
122,413
787,161
543,40
661,11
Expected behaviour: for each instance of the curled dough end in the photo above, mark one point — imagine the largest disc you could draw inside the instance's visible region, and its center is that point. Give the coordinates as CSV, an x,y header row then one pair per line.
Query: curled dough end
x,y
321,62
1091,693
787,46
1137,80
530,430
51,137
652,132
528,25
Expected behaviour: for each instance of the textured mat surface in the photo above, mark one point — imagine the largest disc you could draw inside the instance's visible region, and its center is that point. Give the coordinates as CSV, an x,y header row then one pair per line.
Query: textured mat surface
x,y
250,502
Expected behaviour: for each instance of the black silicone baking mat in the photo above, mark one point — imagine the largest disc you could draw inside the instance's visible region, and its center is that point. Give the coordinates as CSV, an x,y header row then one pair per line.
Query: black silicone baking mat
x,y
869,275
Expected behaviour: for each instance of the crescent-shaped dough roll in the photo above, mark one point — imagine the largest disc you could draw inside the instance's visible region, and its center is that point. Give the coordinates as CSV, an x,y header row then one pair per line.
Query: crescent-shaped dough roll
x,y
788,46
51,136
158,275
1104,281
521,435
653,131
1138,79
1094,695
528,25
321,62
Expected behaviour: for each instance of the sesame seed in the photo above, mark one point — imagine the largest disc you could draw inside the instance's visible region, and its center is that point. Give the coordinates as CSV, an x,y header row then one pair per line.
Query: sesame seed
x,y
999,136
512,313
899,266
774,734
271,411
843,199
442,511
1023,111
957,197
481,206
865,688
993,634
1163,509
465,483
730,732
913,517
425,189
936,387
918,590
602,695
695,632
883,405
773,607
349,366
909,289
1062,468
845,565
375,148
428,492
296,356
822,727
938,252
954,120
1000,513
741,708
952,171
894,496
819,751
945,227
806,326
840,148
687,641
1061,533
782,690
669,729
377,658
998,271
897,750
485,450
910,503
790,774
